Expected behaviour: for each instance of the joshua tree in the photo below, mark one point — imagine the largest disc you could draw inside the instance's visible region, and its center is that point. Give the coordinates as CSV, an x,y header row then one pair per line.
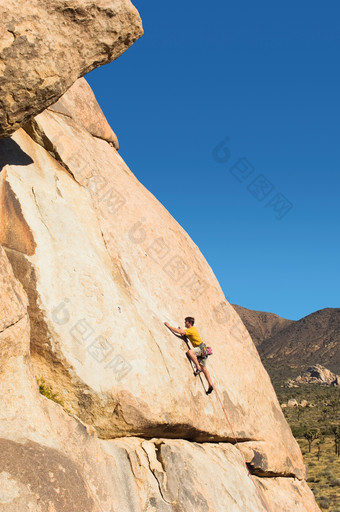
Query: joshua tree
x,y
310,435
336,432
319,442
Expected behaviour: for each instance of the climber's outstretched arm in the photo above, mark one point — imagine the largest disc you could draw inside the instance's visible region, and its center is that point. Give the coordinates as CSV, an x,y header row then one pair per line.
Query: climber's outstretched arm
x,y
175,330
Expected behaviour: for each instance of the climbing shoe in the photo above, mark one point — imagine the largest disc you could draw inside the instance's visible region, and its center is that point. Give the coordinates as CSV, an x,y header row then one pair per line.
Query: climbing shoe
x,y
209,390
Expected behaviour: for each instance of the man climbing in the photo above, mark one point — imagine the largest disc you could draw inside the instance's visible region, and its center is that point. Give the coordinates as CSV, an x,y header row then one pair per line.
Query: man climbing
x,y
196,353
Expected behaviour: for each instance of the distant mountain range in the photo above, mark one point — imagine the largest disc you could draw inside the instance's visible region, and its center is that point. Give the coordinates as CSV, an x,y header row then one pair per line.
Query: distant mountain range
x,y
288,347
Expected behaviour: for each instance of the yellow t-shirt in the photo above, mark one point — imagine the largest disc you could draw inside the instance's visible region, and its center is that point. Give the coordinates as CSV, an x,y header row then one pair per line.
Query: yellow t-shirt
x,y
194,337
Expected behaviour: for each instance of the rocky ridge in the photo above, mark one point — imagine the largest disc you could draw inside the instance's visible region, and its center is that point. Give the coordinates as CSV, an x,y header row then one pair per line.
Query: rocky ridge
x,y
260,324
287,347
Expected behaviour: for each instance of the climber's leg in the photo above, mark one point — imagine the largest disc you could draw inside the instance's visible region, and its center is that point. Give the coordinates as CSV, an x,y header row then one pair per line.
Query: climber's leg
x,y
207,376
191,355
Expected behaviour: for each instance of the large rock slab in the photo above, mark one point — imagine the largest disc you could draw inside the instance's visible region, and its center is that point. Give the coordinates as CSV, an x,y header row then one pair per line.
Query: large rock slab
x,y
46,45
51,461
104,265
178,475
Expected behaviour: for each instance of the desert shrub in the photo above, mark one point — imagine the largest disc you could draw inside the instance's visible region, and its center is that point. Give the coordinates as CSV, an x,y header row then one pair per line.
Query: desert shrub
x,y
324,502
45,390
328,473
298,430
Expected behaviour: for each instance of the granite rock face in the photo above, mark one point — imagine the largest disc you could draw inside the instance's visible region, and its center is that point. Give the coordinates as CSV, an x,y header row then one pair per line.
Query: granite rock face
x,y
100,265
14,301
55,42
104,264
80,104
51,461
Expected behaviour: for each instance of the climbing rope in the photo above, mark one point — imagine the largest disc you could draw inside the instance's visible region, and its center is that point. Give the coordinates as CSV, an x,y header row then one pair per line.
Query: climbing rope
x,y
258,490
192,364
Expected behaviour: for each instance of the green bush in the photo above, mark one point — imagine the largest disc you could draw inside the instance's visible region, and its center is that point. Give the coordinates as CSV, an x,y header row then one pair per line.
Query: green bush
x,y
45,390
298,430
324,502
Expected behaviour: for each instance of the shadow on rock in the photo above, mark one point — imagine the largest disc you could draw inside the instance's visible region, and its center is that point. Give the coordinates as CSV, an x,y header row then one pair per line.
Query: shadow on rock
x,y
12,154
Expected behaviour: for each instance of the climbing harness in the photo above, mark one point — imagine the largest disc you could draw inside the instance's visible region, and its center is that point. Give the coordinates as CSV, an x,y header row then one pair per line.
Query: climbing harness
x,y
206,351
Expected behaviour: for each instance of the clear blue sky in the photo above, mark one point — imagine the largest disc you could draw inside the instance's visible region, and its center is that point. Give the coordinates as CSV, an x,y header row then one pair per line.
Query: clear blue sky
x,y
266,75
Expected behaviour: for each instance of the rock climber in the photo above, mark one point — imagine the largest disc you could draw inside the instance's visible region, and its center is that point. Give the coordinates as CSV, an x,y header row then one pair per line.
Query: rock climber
x,y
194,354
